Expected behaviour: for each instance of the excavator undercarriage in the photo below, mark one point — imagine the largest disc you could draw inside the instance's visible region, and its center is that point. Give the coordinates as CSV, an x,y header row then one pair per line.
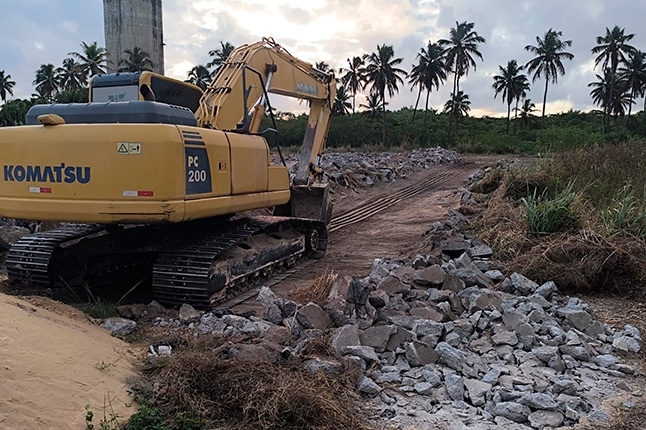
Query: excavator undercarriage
x,y
201,263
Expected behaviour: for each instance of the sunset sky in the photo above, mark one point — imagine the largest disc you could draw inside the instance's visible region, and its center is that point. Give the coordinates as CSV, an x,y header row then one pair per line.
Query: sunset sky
x,y
34,32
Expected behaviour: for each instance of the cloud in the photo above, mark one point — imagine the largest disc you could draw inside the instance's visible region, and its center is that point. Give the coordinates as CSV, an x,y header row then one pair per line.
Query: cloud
x,y
34,32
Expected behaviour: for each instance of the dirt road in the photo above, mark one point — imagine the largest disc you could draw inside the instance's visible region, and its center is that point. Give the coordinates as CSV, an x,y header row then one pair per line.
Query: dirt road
x,y
394,233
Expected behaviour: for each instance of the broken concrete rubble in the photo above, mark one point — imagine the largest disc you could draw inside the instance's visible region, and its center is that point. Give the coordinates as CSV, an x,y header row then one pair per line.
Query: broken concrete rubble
x,y
519,357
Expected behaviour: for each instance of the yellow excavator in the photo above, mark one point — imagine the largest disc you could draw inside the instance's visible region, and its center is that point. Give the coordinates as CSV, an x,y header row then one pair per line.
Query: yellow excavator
x,y
153,174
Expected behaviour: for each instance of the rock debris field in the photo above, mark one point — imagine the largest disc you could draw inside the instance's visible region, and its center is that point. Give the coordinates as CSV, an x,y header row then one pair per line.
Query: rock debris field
x,y
445,342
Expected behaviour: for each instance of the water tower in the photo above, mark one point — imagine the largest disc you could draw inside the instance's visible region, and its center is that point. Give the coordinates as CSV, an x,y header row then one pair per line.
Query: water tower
x,y
130,23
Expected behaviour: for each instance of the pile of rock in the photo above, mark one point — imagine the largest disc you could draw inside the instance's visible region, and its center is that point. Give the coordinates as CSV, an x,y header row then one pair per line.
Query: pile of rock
x,y
352,169
436,343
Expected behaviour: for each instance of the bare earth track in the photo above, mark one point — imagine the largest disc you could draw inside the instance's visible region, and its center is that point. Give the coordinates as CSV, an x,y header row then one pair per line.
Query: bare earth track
x,y
388,221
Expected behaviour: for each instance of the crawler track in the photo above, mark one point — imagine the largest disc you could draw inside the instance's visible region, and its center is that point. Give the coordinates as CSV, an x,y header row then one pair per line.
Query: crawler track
x,y
380,204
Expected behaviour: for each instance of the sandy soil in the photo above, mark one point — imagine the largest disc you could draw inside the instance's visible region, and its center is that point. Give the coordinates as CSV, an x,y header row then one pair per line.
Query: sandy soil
x,y
53,363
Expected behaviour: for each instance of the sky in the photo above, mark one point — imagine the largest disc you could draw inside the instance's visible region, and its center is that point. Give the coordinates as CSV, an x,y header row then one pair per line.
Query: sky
x,y
35,32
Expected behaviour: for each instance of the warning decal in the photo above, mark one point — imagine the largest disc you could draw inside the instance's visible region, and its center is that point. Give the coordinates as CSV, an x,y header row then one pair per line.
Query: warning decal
x,y
129,148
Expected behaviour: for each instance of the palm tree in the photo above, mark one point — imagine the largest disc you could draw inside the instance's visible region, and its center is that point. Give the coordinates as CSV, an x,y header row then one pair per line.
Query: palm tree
x,y
383,75
137,60
526,113
322,66
458,107
70,75
634,74
373,107
353,78
509,82
200,76
6,86
341,104
429,72
220,56
46,82
522,87
93,58
460,49
610,50
550,52
610,92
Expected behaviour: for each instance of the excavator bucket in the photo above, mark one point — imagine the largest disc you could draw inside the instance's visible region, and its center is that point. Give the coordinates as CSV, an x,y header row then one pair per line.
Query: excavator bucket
x,y
308,201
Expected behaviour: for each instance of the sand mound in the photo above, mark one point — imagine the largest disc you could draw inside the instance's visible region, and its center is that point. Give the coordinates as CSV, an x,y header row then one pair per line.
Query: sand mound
x,y
53,363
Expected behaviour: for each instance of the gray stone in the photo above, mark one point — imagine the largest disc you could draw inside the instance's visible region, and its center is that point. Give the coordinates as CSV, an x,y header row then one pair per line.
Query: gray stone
x,y
626,344
578,352
313,316
545,353
452,339
379,298
632,331
454,386
428,328
419,354
119,326
399,338
463,328
580,319
366,353
565,386
268,300
491,377
542,419
454,248
477,390
404,274
512,411
453,283
606,360
389,378
449,355
423,388
526,335
494,275
377,336
513,319
391,285
523,285
187,313
327,367
481,251
427,313
429,276
505,338
432,377
547,289
209,323
345,336
367,386
595,329
538,401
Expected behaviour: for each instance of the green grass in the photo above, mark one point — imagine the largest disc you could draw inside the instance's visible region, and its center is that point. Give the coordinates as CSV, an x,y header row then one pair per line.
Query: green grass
x,y
555,214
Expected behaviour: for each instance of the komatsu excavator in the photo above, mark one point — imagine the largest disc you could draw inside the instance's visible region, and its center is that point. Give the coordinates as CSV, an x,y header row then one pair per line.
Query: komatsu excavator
x,y
149,177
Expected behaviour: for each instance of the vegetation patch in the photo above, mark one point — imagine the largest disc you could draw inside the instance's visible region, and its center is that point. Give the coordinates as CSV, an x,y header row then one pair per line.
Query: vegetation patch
x,y
585,233
198,387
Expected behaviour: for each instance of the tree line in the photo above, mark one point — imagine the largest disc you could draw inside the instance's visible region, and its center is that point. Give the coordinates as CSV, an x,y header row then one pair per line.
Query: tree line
x,y
378,75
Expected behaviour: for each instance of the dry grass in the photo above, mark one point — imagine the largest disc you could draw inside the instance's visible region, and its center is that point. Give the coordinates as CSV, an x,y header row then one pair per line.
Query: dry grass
x,y
588,261
244,395
317,292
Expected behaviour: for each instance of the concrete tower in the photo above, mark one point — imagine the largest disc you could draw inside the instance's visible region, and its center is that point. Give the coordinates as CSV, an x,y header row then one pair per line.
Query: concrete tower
x,y
130,23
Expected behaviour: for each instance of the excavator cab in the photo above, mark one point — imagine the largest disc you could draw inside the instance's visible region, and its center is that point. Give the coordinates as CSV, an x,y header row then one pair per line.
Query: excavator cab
x,y
122,87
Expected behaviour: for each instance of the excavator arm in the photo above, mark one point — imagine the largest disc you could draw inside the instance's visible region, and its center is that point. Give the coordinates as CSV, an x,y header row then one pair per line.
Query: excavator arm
x,y
265,67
